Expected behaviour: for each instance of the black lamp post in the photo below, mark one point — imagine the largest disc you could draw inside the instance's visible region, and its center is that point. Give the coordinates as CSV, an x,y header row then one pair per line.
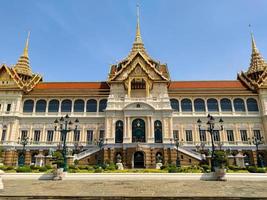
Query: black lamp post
x,y
178,143
24,141
258,141
211,128
64,125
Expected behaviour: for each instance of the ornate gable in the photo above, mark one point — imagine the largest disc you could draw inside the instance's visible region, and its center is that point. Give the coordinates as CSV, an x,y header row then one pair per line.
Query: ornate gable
x,y
256,76
20,76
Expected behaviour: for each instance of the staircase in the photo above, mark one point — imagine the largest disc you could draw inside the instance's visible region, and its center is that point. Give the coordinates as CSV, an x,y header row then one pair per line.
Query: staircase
x,y
191,153
88,152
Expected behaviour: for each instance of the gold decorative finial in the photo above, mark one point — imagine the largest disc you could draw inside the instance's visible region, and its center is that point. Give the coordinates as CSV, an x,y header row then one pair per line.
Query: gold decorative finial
x,y
138,38
25,52
254,47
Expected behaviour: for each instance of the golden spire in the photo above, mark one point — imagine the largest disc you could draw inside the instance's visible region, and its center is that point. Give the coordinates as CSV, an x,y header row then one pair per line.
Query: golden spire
x,y
25,52
138,38
23,65
257,63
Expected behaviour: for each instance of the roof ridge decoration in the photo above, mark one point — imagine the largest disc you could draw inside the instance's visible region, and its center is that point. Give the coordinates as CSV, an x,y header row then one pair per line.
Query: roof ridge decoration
x,y
255,77
21,74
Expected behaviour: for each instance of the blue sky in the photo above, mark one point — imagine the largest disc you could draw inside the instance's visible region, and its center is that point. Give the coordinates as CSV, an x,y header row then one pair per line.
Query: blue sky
x,y
77,40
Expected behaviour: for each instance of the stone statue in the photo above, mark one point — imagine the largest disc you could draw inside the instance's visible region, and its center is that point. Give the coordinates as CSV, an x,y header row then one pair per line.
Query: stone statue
x,y
159,158
118,158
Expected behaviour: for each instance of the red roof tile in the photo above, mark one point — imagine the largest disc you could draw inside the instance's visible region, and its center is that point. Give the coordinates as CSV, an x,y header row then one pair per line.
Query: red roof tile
x,y
72,85
205,84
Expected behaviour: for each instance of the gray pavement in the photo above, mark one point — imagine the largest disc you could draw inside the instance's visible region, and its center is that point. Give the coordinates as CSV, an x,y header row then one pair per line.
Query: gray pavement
x,y
130,188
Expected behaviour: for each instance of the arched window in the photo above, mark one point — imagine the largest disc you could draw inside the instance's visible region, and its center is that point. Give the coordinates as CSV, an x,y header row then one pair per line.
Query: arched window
x,y
175,104
239,105
252,105
212,105
199,105
53,106
66,105
40,106
158,131
79,105
91,105
186,105
102,105
28,106
119,132
226,105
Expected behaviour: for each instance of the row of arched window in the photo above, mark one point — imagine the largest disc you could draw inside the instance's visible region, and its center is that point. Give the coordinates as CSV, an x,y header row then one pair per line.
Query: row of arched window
x,y
213,105
66,105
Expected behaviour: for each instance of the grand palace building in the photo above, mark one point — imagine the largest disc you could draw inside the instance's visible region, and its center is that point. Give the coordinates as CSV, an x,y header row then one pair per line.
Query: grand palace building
x,y
138,112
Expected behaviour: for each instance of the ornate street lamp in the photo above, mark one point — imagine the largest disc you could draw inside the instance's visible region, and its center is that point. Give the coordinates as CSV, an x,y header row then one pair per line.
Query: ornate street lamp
x,y
177,143
24,141
64,125
211,128
257,141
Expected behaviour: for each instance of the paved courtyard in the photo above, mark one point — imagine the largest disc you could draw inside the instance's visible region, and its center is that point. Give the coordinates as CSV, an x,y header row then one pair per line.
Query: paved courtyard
x,y
129,188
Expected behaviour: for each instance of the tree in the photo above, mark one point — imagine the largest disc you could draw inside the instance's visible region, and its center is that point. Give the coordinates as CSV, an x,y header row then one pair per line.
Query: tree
x,y
220,159
58,159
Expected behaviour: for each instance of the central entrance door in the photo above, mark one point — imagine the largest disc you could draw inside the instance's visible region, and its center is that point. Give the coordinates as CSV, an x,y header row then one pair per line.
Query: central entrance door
x,y
138,131
139,161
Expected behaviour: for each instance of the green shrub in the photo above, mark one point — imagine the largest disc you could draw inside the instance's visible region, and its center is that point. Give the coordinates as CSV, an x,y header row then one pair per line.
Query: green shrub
x,y
73,167
10,168
48,166
163,167
205,168
111,167
90,168
261,170
235,168
32,167
252,169
98,170
42,169
23,169
82,167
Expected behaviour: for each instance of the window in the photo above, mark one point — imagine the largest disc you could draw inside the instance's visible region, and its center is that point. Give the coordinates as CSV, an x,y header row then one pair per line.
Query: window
x,y
90,136
79,105
226,105
257,134
119,132
28,106
62,135
101,134
244,136
175,104
53,106
23,134
91,105
66,105
40,106
216,136
175,134
189,136
202,135
199,105
36,136
158,131
50,135
102,105
186,105
3,137
213,105
239,105
252,105
230,135
8,109
76,136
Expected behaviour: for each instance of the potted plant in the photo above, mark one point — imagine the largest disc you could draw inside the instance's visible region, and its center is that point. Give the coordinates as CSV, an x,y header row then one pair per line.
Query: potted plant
x,y
58,160
220,160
